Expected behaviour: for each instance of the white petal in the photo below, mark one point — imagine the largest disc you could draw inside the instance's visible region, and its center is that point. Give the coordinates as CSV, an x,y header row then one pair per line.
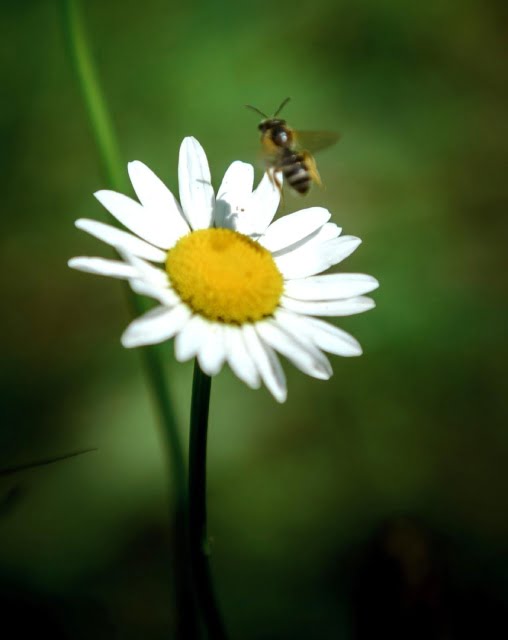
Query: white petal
x,y
308,261
138,219
238,357
102,267
212,353
195,185
158,199
294,227
189,340
233,194
310,361
261,208
331,286
323,334
238,179
346,307
121,239
146,271
155,326
165,296
266,363
328,231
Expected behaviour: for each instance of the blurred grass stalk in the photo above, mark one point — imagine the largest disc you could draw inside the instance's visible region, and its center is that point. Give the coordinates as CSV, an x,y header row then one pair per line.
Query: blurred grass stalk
x,y
114,169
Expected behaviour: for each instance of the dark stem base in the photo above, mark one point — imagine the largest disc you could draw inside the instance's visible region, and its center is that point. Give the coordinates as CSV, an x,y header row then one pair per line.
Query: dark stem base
x,y
197,507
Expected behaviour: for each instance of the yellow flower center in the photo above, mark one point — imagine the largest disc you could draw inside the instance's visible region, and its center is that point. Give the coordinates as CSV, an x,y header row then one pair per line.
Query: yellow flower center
x,y
225,276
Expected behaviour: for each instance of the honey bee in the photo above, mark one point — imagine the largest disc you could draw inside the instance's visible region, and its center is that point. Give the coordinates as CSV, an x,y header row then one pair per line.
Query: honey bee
x,y
289,151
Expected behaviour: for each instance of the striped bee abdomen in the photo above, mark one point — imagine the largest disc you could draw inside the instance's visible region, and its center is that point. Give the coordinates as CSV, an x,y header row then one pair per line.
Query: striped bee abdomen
x,y
295,170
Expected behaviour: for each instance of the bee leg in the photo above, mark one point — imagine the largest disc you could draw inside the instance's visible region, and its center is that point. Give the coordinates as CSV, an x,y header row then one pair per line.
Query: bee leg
x,y
278,184
271,171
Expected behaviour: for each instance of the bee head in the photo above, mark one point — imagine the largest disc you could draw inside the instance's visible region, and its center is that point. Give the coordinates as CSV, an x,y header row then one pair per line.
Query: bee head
x,y
271,123
277,131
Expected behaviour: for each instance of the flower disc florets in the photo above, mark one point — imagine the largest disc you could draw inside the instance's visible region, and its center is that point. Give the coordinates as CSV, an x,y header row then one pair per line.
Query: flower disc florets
x,y
225,276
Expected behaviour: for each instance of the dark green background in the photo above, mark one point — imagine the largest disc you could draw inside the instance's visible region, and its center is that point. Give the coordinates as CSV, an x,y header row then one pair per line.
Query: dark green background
x,y
373,503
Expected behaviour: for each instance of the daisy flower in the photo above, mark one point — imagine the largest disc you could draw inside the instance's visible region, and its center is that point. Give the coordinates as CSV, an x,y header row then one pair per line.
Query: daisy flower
x,y
231,284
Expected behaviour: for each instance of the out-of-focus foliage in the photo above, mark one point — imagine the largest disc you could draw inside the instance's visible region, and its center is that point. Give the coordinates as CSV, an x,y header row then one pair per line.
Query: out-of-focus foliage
x,y
379,495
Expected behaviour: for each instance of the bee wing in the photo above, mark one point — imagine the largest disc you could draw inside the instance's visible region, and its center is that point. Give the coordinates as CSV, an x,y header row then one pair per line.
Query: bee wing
x,y
315,140
312,169
265,159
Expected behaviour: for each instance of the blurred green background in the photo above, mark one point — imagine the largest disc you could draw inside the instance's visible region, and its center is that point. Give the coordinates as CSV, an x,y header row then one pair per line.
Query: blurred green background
x,y
374,503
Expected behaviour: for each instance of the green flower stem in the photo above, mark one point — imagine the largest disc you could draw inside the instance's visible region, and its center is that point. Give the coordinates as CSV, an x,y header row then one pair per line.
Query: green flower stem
x,y
114,170
199,547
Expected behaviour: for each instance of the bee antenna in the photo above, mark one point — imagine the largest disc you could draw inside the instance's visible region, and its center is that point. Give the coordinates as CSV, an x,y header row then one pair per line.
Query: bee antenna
x,y
284,103
249,106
